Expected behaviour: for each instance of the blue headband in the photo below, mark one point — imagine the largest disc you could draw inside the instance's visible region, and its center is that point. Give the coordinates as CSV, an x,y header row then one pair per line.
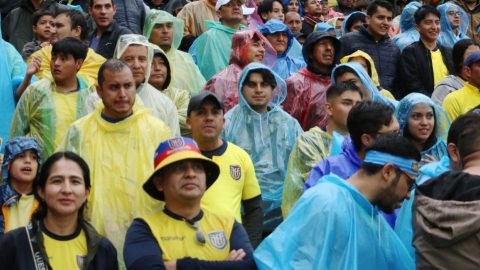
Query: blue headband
x,y
380,158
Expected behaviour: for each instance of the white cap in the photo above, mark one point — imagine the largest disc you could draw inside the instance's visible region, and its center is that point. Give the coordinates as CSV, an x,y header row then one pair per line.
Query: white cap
x,y
247,11
224,2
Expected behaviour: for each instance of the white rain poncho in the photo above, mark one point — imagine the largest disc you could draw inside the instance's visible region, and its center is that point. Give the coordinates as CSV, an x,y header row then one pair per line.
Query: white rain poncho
x,y
409,34
268,138
187,75
446,36
163,107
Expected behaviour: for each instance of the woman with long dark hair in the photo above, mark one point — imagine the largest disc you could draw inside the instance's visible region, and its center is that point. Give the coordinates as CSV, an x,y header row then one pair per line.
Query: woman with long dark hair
x,y
59,237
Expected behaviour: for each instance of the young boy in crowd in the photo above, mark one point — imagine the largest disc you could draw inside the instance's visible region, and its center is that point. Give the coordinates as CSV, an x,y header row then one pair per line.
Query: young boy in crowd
x,y
19,172
42,20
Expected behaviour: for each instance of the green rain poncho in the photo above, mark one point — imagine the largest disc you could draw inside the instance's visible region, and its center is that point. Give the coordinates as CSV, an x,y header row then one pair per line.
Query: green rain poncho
x,y
163,108
180,97
45,114
187,75
213,48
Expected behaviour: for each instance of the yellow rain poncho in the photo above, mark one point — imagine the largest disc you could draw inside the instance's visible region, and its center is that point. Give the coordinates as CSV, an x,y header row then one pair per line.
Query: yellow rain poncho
x,y
120,158
195,14
180,97
89,69
187,75
373,71
45,114
163,108
310,147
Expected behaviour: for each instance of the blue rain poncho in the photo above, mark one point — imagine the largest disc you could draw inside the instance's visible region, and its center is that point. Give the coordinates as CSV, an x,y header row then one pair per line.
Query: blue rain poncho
x,y
442,122
409,34
403,225
446,36
186,74
346,20
333,226
300,10
268,139
12,72
321,26
286,65
212,49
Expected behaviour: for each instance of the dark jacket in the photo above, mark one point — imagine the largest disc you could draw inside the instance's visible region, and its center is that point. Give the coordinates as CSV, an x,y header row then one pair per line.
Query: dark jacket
x,y
8,5
166,5
130,14
307,27
385,55
30,48
343,9
8,197
416,71
108,40
446,224
17,27
16,254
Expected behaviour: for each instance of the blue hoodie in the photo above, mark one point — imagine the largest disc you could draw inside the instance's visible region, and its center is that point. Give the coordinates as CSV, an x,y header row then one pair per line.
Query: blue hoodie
x,y
285,66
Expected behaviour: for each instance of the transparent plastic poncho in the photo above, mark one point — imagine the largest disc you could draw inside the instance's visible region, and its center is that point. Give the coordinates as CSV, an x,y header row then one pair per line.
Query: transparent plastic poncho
x,y
187,75
44,114
163,108
409,34
225,82
268,138
120,158
286,64
442,122
321,26
446,36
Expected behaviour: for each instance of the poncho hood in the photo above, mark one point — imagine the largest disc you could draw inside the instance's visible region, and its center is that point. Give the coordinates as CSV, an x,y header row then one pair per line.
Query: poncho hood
x,y
286,2
274,26
367,57
17,146
133,39
310,43
446,36
321,26
407,25
157,51
161,17
347,18
240,42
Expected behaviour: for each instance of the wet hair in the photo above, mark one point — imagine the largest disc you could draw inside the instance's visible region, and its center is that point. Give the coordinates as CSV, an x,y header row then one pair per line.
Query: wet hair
x,y
115,66
361,4
432,140
93,1
390,144
458,51
76,19
353,19
423,11
342,70
462,123
337,89
373,7
70,46
469,142
40,13
45,173
367,118
267,76
266,6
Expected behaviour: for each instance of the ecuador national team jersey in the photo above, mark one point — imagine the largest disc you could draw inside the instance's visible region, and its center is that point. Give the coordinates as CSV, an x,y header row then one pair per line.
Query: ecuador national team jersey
x,y
20,213
461,101
177,240
66,252
237,182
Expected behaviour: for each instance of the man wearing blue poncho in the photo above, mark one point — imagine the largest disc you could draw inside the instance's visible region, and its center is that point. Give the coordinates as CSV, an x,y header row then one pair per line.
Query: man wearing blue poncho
x,y
454,23
409,34
259,126
348,231
281,38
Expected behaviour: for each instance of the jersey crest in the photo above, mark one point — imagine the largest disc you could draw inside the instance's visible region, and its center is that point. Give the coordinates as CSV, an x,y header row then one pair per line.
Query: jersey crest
x,y
235,172
176,143
218,239
82,262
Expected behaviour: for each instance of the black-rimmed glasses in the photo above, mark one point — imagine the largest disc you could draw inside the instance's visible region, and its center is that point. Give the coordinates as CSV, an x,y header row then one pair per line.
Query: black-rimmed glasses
x,y
412,181
199,235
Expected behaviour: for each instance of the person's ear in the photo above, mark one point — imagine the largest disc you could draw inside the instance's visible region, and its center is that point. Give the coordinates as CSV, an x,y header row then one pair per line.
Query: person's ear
x,y
453,152
328,109
264,16
99,91
467,71
79,64
157,181
388,172
40,193
417,27
87,193
366,139
90,11
367,19
219,14
188,123
34,28
114,10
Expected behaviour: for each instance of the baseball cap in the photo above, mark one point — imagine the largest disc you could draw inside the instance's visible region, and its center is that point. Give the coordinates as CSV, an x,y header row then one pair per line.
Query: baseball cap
x,y
196,101
247,11
173,150
224,2
472,58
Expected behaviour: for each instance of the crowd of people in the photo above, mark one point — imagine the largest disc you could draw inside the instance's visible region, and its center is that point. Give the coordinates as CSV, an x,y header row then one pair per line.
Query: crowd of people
x,y
239,134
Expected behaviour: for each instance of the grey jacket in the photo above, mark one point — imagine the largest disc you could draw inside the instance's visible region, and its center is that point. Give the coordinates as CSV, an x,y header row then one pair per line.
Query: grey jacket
x,y
130,14
30,48
446,86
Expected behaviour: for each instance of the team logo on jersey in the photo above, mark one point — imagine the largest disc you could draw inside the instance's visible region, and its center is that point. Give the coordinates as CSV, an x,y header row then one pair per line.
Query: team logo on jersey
x,y
176,143
235,172
82,262
218,239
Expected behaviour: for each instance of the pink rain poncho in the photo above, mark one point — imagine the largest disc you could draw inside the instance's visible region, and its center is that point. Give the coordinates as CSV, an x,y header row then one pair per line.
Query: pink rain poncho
x,y
225,82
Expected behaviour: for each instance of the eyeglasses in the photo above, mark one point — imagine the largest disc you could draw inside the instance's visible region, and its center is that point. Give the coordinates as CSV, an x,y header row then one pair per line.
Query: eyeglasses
x,y
411,181
199,235
453,13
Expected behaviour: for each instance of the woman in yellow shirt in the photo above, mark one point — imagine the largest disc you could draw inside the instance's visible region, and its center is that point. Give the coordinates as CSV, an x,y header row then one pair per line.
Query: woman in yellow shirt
x,y
59,238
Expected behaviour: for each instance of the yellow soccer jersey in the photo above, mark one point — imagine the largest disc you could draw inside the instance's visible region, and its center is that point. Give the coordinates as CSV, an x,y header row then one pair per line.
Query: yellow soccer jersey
x,y
176,237
236,182
66,112
461,101
66,252
440,71
20,213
